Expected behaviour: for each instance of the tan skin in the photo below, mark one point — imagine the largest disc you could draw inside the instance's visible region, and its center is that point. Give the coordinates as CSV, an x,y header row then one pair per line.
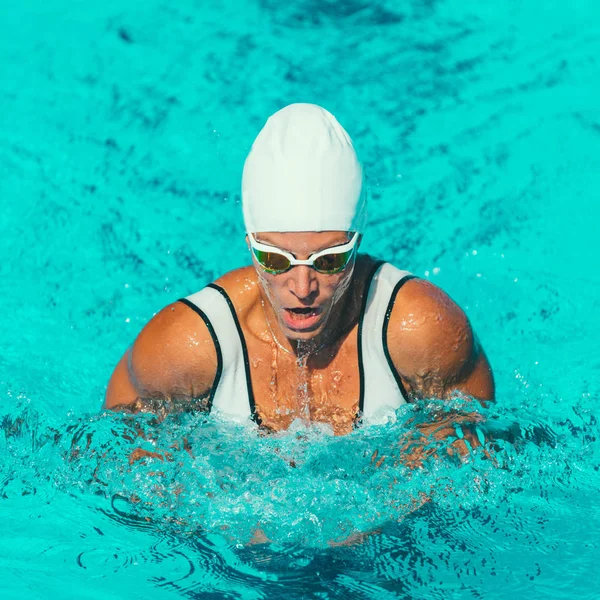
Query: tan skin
x,y
312,375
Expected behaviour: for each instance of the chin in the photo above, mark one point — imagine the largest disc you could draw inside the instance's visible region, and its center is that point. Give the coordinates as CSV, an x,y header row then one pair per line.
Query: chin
x,y
302,336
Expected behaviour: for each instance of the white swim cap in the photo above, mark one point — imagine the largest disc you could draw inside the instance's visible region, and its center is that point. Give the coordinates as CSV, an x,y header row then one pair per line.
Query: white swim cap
x,y
302,174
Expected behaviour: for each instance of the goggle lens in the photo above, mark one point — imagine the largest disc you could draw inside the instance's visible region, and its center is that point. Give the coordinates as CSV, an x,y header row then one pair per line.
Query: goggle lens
x,y
332,263
272,262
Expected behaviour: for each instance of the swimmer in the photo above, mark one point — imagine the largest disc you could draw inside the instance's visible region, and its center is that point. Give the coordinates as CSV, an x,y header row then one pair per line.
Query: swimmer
x,y
313,329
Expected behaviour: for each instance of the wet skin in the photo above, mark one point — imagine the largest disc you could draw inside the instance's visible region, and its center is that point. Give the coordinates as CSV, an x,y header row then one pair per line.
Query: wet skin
x,y
301,331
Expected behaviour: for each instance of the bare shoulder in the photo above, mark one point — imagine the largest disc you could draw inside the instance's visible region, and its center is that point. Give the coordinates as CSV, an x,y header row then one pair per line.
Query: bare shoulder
x,y
424,315
174,355
239,283
433,346
173,358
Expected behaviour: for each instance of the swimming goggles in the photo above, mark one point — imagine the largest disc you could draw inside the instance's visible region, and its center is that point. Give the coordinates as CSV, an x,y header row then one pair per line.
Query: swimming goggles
x,y
329,261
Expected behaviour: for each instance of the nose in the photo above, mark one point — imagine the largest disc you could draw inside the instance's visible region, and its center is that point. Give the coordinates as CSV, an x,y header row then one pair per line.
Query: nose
x,y
303,283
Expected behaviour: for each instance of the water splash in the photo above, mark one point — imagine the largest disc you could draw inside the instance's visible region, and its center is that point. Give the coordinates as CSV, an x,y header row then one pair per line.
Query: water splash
x,y
228,505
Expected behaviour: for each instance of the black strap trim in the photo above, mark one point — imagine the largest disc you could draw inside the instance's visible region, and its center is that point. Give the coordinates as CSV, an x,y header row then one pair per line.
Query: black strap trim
x,y
386,323
253,414
213,334
361,366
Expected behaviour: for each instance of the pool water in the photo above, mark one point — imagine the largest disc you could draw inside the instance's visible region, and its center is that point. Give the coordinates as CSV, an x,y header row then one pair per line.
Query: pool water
x,y
124,127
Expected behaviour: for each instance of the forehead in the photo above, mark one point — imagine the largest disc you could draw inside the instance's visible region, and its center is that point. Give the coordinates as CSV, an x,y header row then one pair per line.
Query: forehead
x,y
305,242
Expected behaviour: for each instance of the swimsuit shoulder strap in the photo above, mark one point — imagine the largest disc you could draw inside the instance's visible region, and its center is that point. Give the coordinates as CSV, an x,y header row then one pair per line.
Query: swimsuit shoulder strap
x,y
232,392
381,388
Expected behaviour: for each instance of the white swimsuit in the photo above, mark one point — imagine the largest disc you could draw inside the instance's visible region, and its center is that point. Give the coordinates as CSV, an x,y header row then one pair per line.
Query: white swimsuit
x,y
381,388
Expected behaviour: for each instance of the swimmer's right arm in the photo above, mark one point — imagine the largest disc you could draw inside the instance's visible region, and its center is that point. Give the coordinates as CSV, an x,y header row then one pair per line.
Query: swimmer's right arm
x,y
173,361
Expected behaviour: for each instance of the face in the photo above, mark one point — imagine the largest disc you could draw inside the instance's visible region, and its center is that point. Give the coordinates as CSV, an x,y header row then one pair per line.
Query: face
x,y
304,301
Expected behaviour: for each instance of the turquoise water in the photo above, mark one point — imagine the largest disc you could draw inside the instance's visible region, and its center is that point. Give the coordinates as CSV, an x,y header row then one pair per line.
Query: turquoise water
x,y
123,132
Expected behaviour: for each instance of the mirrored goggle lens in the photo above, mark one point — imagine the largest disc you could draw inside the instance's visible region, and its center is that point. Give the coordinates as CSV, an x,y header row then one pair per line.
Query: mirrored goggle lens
x,y
273,262
332,263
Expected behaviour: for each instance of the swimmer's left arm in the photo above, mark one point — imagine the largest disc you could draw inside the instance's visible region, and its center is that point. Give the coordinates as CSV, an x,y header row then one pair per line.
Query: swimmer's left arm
x,y
433,346
436,354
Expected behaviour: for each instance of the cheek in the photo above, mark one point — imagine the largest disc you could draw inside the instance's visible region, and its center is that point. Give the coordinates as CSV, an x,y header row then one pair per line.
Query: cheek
x,y
271,287
337,287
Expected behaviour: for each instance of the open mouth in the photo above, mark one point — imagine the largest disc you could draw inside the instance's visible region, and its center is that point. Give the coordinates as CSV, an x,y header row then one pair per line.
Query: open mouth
x,y
301,318
302,313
